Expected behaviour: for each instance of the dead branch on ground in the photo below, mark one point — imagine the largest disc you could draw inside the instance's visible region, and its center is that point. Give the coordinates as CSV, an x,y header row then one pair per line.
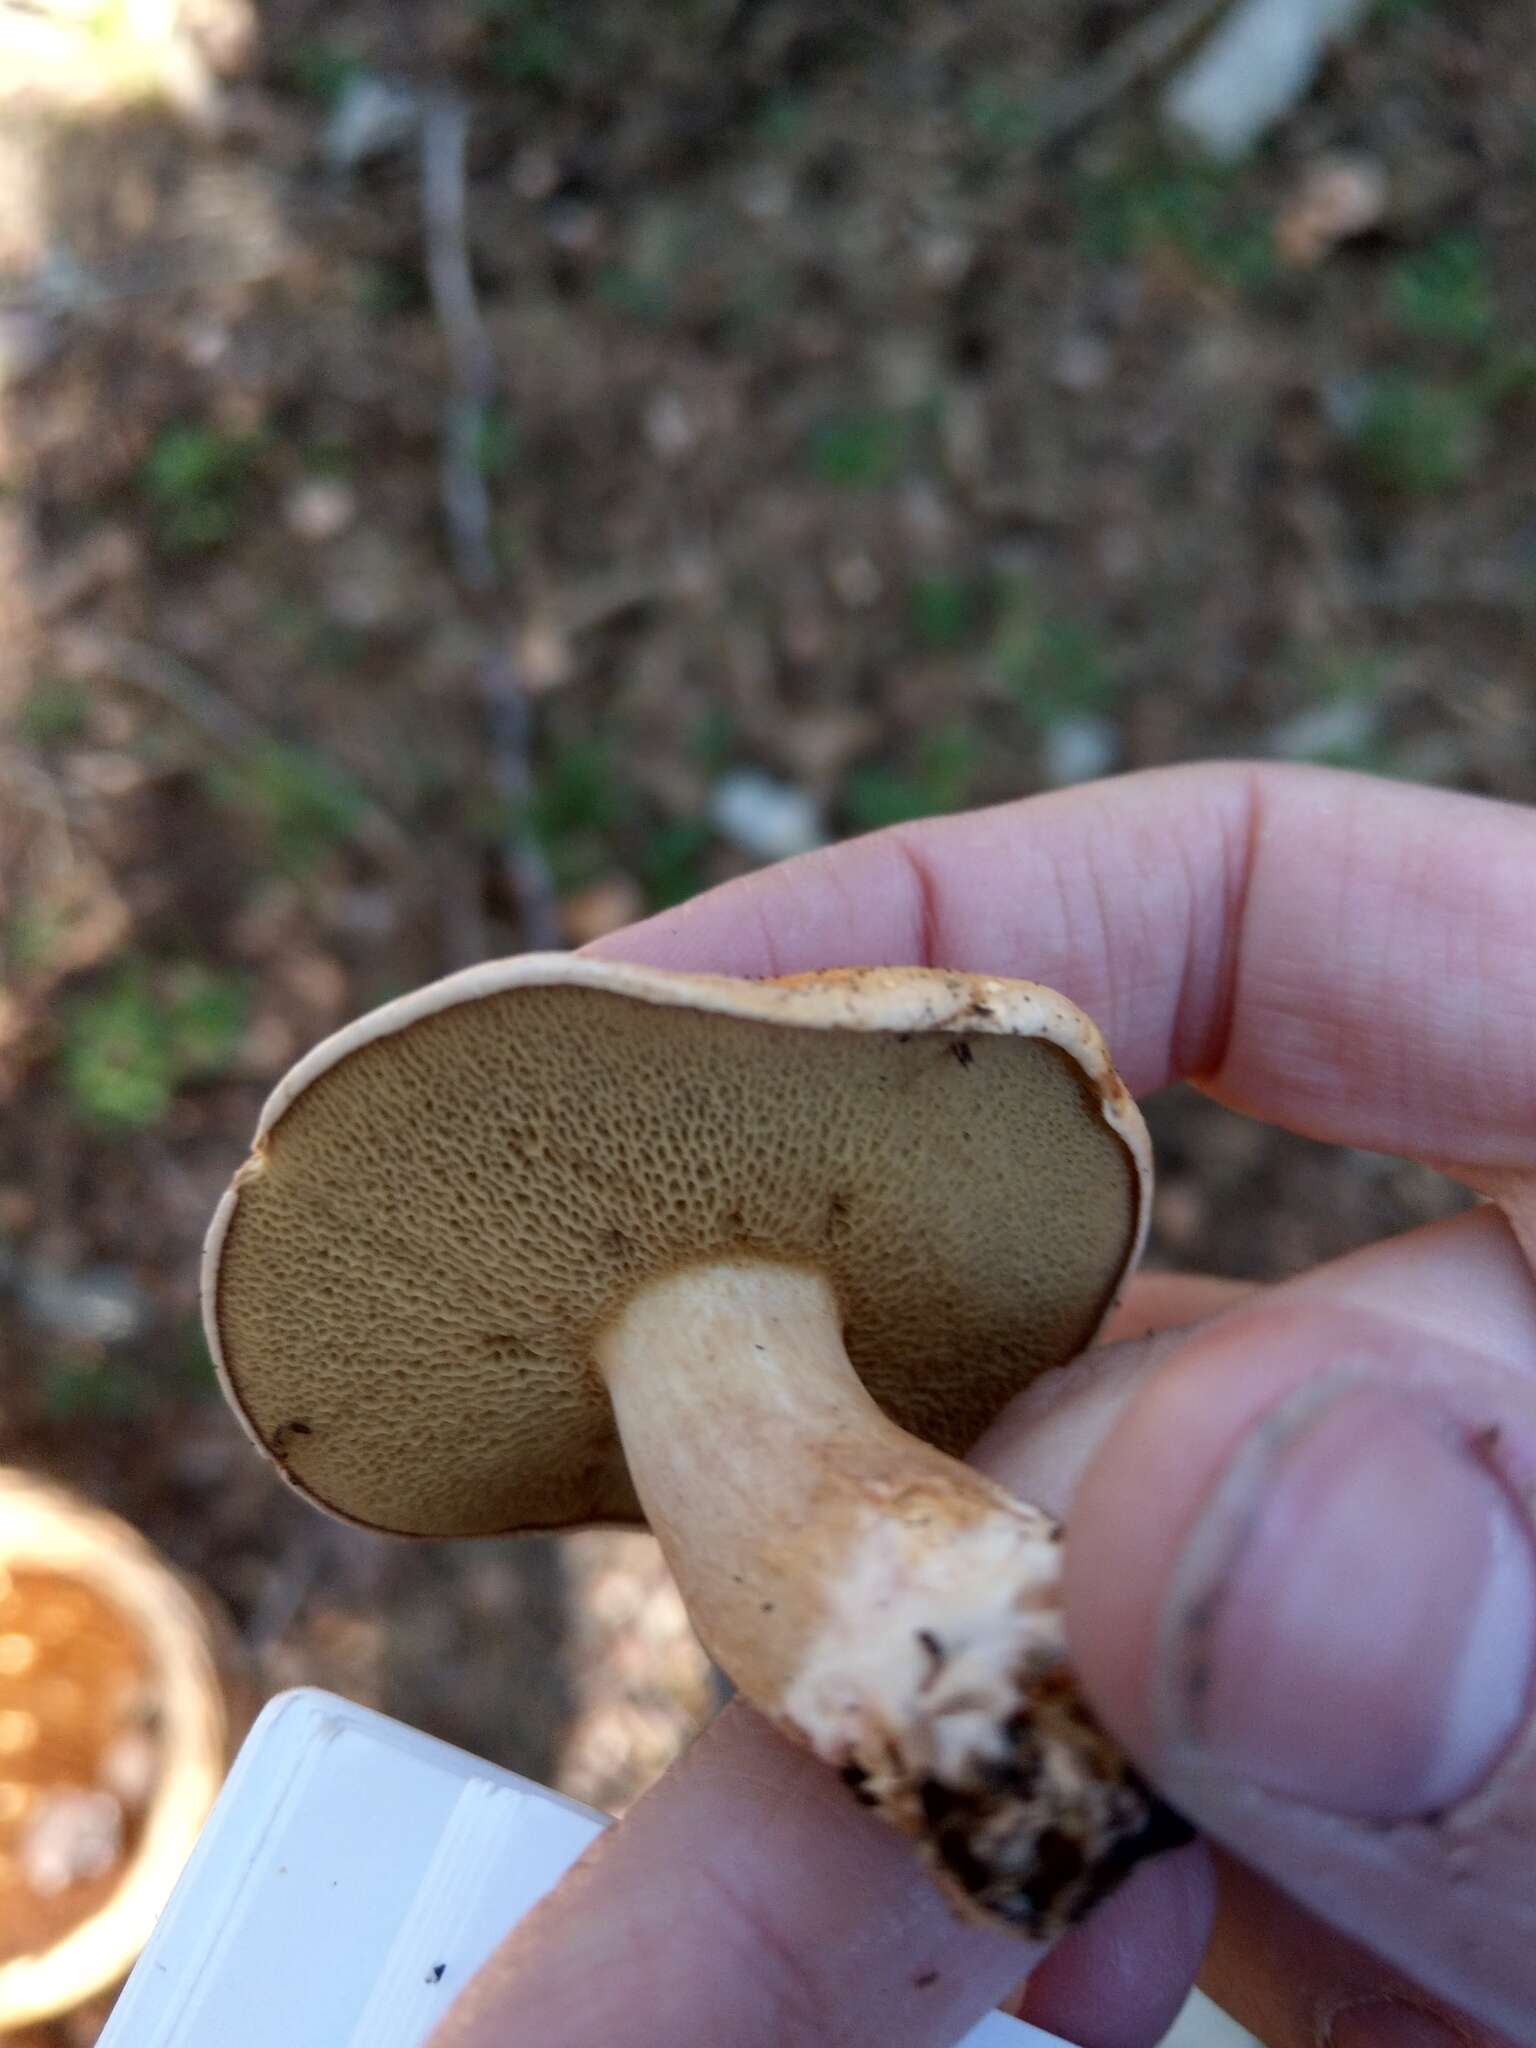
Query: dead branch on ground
x,y
467,509
1156,37
226,726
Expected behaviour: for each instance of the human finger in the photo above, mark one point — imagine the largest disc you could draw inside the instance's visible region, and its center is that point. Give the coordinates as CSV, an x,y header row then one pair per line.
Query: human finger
x,y
1295,1982
817,1900
1344,956
747,1900
1286,1974
1301,1585
1166,1301
1407,1287
747,1891
1041,1445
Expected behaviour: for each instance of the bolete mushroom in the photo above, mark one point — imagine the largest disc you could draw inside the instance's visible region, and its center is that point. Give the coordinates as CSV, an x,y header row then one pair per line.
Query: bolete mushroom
x,y
114,1736
560,1241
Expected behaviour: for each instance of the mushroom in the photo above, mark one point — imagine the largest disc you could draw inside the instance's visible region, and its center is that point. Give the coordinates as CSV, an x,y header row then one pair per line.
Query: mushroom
x,y
116,1701
562,1240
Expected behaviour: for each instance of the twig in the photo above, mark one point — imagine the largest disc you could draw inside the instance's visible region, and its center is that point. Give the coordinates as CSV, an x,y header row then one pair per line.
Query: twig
x,y
585,606
34,789
467,508
471,364
1155,38
1257,66
64,286
509,730
224,724
167,677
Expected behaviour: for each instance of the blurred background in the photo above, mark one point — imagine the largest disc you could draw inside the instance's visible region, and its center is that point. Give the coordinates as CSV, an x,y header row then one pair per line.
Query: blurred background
x,y
474,472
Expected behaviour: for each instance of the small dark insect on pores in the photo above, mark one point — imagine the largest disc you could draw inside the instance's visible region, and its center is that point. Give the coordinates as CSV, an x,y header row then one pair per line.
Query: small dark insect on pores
x,y
283,1435
933,1649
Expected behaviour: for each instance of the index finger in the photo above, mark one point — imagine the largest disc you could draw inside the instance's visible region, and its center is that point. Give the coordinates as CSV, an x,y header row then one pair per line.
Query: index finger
x,y
1347,957
747,1901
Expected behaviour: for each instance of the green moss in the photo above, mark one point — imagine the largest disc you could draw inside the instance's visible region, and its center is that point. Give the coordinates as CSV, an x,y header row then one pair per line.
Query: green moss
x,y
304,806
321,68
581,800
944,609
1052,663
1201,210
713,739
83,1383
672,863
1419,438
860,448
999,117
127,1045
529,43
1339,673
54,712
205,1010
580,789
782,119
1444,291
879,793
381,288
498,441
195,478
30,935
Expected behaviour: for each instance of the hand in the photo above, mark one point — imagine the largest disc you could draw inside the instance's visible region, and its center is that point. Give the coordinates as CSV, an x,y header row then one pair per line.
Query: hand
x,y
1300,1567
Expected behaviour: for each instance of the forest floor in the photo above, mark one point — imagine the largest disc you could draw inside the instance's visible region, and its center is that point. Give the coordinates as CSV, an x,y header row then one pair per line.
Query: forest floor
x,y
855,453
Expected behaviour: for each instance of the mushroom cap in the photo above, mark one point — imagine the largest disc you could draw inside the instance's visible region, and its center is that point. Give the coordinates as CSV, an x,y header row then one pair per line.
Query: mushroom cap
x,y
116,1634
449,1200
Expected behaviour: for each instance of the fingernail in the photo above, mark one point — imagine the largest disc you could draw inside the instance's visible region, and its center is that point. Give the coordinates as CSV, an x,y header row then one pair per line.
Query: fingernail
x,y
1390,2023
1358,1611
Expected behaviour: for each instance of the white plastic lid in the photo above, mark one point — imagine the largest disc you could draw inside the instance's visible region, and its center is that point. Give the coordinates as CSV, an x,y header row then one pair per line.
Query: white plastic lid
x,y
352,1877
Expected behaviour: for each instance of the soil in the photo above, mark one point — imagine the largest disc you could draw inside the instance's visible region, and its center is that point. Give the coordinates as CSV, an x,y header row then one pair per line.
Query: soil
x,y
841,433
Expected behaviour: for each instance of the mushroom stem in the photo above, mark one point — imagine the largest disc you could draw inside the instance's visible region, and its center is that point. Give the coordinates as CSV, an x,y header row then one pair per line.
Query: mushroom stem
x,y
882,1603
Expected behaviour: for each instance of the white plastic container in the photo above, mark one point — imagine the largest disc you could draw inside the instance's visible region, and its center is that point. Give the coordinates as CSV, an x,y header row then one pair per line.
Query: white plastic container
x,y
353,1876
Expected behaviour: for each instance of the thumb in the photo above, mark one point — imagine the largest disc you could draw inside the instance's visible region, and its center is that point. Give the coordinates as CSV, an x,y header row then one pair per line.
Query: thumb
x,y
1301,1583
